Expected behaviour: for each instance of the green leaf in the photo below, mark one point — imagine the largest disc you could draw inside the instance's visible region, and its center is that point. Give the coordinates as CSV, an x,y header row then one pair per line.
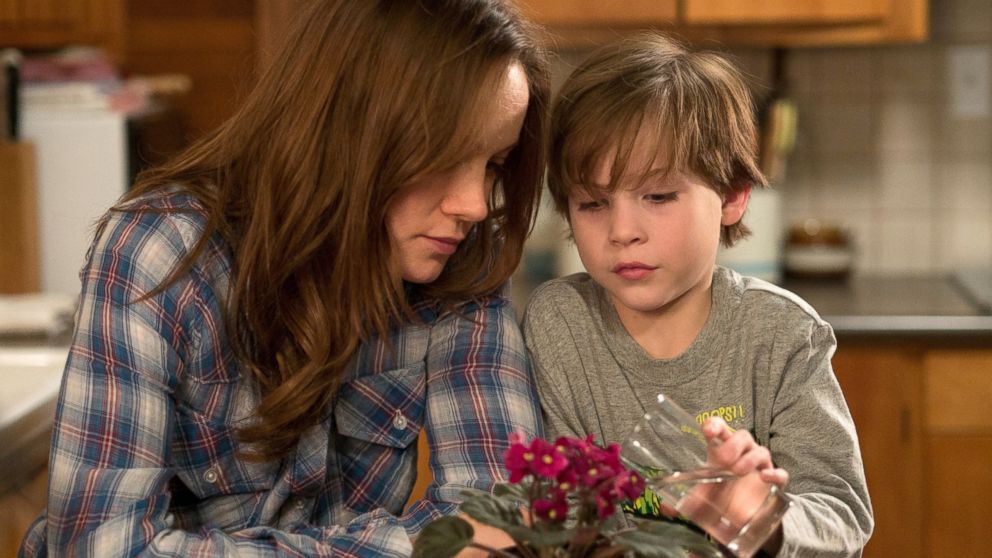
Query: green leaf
x,y
443,538
486,508
515,491
659,539
646,545
540,539
612,551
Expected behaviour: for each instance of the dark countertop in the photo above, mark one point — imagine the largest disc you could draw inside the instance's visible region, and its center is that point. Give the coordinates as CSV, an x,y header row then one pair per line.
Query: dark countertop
x,y
879,307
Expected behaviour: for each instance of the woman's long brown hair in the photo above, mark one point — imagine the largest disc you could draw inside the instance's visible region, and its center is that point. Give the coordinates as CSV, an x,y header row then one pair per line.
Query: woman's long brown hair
x,y
365,97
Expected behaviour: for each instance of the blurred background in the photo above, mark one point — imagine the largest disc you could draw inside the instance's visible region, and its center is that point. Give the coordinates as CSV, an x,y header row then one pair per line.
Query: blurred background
x,y
876,132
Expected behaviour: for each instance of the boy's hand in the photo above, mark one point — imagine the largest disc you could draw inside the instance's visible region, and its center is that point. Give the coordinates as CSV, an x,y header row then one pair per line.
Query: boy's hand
x,y
738,453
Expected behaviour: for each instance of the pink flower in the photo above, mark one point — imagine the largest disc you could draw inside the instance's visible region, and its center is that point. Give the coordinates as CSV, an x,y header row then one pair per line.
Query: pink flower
x,y
575,466
629,484
605,507
552,511
593,472
548,461
519,459
611,457
567,479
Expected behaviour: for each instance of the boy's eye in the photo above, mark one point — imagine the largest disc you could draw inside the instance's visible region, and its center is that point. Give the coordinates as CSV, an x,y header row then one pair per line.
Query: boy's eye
x,y
591,205
661,198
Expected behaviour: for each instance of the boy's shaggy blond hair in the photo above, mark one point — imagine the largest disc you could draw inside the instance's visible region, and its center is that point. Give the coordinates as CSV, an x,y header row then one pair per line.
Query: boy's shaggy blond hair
x,y
694,103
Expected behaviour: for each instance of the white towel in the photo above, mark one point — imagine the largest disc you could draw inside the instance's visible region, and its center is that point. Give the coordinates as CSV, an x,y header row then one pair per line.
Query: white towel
x,y
42,313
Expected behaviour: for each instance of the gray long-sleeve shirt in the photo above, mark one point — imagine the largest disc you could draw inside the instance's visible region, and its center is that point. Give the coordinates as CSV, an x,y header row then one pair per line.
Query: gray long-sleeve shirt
x,y
761,362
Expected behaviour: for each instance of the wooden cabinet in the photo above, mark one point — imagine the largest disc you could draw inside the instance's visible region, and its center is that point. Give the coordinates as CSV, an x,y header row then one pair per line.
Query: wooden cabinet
x,y
596,13
926,438
210,41
735,12
48,24
785,23
884,390
958,451
18,510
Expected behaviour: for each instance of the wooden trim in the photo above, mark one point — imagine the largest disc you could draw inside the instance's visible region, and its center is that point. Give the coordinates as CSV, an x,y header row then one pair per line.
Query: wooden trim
x,y
20,263
603,12
722,12
424,474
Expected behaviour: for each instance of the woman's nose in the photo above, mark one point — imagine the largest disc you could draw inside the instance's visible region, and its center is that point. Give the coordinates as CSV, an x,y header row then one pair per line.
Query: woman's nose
x,y
467,197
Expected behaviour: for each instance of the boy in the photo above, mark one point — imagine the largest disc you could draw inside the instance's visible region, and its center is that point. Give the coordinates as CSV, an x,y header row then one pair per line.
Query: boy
x,y
652,163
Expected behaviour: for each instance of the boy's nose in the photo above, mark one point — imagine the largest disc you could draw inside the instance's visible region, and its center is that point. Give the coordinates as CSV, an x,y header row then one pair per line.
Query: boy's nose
x,y
467,196
624,228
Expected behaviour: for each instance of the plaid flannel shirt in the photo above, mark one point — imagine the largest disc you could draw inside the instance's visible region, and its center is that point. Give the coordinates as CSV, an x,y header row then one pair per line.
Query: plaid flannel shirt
x,y
143,457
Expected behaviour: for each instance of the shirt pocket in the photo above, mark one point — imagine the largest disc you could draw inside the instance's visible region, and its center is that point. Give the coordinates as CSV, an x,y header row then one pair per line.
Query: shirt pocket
x,y
384,409
205,453
378,419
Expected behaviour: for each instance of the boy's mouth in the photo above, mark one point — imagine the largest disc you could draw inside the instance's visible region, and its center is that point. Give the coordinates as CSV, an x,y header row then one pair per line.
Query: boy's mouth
x,y
633,270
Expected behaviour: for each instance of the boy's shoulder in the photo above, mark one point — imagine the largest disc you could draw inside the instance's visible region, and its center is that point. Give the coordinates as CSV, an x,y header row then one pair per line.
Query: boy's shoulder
x,y
576,293
760,300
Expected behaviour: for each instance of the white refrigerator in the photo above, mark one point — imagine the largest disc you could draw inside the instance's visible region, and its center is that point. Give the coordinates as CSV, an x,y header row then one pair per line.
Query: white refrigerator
x,y
82,170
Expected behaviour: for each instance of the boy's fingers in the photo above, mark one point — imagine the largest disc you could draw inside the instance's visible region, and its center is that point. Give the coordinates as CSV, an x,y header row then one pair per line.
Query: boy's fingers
x,y
716,428
776,476
740,453
755,458
727,446
726,453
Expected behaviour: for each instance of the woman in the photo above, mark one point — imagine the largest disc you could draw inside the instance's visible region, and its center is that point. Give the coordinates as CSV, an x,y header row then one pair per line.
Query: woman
x,y
267,322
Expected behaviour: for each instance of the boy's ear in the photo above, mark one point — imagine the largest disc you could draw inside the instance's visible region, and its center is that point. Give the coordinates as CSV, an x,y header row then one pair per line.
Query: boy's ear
x,y
734,204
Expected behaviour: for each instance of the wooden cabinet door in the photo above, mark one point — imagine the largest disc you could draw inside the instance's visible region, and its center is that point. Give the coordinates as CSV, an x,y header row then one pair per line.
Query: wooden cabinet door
x,y
884,390
781,23
18,510
588,13
731,12
56,23
958,484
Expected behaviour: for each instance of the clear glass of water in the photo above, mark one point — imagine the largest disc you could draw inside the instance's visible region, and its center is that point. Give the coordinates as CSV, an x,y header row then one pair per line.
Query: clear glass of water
x,y
740,512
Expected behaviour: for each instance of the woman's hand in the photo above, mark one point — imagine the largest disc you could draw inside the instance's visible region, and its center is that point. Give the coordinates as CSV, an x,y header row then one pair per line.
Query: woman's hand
x,y
486,535
738,453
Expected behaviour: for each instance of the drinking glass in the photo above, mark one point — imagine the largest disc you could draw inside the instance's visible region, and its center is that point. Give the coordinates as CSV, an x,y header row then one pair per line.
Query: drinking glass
x,y
668,446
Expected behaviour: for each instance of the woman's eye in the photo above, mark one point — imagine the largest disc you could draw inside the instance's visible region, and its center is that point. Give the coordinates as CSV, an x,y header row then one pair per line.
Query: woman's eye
x,y
661,198
497,168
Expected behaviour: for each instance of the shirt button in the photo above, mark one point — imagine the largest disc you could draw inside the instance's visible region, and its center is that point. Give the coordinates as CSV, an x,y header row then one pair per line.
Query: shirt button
x,y
399,421
300,504
210,475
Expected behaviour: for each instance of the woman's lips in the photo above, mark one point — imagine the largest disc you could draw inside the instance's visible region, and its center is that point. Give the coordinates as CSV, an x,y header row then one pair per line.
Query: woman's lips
x,y
633,270
443,244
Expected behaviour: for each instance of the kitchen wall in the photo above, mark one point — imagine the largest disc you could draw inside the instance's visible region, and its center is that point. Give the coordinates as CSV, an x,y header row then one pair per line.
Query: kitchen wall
x,y
883,150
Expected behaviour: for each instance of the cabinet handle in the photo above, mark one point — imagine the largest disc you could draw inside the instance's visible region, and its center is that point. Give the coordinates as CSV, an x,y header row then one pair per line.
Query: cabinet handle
x,y
905,426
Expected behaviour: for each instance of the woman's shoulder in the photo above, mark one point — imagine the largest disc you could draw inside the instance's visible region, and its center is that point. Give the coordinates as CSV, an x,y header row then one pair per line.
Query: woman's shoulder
x,y
170,209
153,231
171,198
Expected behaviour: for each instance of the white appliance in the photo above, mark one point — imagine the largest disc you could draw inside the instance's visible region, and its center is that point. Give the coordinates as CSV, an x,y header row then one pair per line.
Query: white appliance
x,y
82,171
759,255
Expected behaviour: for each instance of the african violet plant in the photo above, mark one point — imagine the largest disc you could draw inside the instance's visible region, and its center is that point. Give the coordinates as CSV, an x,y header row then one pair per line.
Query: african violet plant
x,y
557,504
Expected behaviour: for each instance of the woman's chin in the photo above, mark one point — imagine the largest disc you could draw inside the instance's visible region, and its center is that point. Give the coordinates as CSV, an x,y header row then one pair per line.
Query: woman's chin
x,y
424,274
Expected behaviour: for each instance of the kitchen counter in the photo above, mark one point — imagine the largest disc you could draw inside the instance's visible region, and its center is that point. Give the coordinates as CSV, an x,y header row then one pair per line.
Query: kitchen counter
x,y
897,308
31,375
